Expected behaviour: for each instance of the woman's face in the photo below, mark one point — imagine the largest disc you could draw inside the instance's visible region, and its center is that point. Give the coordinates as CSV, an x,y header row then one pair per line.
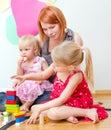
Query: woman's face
x,y
51,30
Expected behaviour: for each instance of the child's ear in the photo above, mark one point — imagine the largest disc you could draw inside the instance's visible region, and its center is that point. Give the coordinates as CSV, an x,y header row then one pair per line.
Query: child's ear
x,y
36,51
37,48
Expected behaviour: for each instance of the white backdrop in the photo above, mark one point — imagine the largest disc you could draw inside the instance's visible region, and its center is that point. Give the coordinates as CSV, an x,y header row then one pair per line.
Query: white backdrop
x,y
90,18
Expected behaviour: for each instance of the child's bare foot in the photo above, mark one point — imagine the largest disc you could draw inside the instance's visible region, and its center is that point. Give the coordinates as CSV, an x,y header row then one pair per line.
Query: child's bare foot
x,y
72,119
98,103
24,107
92,114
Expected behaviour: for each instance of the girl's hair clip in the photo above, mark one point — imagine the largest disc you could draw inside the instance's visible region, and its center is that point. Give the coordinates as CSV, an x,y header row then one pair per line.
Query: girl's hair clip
x,y
82,48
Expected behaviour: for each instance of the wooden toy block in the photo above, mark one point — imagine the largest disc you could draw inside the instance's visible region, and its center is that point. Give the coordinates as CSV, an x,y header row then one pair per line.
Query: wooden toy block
x,y
13,92
10,97
19,117
43,118
13,107
19,113
12,111
7,117
46,119
7,114
10,101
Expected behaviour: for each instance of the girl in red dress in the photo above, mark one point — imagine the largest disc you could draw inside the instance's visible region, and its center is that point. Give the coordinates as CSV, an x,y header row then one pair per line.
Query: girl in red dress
x,y
71,97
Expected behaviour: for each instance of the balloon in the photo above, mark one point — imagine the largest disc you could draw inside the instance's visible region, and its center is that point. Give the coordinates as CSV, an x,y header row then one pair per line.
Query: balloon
x,y
11,30
25,14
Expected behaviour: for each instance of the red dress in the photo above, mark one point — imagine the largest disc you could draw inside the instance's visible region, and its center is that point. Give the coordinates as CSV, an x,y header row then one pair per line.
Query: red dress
x,y
81,97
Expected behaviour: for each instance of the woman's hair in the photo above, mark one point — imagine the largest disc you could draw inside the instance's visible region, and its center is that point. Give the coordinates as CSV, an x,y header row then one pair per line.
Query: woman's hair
x,y
51,15
70,53
31,40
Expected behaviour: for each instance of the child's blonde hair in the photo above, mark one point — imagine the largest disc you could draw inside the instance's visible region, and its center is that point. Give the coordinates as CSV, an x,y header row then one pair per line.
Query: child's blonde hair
x,y
70,53
31,40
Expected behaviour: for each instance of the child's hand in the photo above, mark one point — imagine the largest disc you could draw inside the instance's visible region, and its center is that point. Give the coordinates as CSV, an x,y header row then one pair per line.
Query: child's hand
x,y
38,82
35,114
15,84
20,79
20,61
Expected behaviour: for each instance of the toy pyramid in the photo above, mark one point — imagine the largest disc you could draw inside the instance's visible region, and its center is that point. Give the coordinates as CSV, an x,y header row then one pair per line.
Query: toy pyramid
x,y
11,105
12,108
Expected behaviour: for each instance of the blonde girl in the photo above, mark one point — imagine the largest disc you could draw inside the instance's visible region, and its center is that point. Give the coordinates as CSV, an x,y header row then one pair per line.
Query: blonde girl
x,y
71,97
30,62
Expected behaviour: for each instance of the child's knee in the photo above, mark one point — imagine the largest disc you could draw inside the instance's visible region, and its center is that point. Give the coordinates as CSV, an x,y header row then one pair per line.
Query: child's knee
x,y
52,114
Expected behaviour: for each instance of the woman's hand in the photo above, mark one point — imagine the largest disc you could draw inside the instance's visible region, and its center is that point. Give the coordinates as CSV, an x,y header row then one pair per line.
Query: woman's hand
x,y
20,78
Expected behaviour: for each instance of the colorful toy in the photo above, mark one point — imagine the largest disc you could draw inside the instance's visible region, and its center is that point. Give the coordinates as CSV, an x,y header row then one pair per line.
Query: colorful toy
x,y
11,105
43,118
19,117
12,109
7,117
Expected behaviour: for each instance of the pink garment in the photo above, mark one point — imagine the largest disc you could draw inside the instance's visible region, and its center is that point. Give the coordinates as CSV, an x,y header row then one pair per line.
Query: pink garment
x,y
29,90
80,98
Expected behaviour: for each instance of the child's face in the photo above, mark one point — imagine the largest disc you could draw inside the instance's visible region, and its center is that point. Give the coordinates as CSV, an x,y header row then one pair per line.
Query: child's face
x,y
63,68
59,67
27,50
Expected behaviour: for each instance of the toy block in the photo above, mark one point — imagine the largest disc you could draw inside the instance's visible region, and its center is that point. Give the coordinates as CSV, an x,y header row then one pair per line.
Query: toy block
x,y
7,117
13,107
20,113
43,118
10,97
7,114
10,101
13,92
46,118
12,111
19,116
20,119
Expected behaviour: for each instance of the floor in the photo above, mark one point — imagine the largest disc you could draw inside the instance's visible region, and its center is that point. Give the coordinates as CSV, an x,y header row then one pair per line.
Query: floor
x,y
103,99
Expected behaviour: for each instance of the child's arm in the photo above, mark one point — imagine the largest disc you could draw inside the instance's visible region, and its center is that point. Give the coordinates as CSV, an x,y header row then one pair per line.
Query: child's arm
x,y
43,67
37,109
71,86
19,72
19,66
35,76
